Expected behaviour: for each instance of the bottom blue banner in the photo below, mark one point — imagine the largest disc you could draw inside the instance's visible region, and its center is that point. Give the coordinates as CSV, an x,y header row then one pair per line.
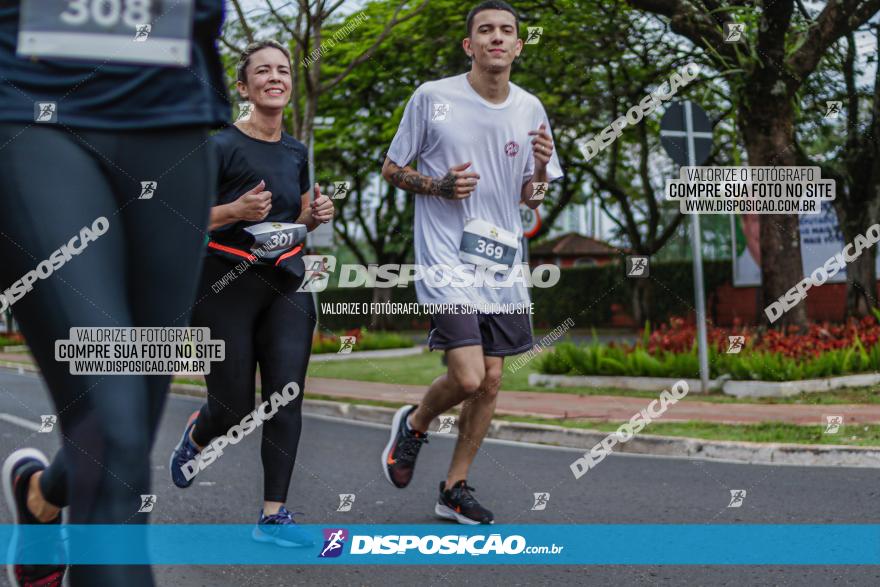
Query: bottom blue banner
x,y
621,544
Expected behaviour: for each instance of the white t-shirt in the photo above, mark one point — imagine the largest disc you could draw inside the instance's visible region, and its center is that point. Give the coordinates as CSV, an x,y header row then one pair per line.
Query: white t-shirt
x,y
447,123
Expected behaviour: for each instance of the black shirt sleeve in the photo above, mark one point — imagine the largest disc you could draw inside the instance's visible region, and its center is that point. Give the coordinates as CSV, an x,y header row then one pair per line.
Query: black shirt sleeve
x,y
304,184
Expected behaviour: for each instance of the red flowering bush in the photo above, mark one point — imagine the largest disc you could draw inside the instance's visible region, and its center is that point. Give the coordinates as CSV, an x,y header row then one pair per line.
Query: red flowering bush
x,y
820,350
679,336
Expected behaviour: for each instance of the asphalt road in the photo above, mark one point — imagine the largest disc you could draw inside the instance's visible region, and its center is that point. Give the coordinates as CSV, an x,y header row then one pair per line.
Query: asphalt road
x,y
343,457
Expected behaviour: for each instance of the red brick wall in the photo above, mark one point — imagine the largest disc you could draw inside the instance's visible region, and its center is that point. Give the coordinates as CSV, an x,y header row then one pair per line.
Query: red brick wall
x,y
826,302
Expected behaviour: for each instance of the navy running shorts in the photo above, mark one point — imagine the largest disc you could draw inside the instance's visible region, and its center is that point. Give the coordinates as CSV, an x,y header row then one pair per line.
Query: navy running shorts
x,y
500,335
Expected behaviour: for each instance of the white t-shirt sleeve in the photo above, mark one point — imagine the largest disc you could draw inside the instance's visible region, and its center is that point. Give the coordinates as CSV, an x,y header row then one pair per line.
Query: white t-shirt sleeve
x,y
554,169
410,138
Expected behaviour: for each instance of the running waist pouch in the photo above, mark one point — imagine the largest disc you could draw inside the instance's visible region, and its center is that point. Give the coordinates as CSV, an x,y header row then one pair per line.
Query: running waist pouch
x,y
485,244
276,244
273,239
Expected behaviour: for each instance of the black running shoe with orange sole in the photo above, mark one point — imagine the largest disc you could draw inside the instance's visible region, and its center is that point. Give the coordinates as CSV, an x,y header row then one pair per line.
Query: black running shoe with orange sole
x,y
460,505
399,456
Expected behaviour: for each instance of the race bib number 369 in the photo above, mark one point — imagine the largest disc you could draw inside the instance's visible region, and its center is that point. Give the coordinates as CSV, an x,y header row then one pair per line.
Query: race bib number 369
x,y
149,32
485,244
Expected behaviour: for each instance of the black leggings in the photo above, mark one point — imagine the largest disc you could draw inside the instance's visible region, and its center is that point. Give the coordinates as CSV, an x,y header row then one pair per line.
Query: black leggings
x,y
264,321
142,272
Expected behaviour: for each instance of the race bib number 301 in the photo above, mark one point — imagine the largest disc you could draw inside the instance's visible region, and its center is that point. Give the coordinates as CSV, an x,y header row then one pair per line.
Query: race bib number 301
x,y
149,32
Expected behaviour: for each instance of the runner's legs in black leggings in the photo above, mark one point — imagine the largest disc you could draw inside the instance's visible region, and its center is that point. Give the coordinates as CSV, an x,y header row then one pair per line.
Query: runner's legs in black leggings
x,y
264,321
142,272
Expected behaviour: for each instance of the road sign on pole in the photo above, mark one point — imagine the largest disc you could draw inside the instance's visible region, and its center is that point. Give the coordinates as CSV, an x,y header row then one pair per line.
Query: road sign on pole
x,y
531,220
531,224
686,134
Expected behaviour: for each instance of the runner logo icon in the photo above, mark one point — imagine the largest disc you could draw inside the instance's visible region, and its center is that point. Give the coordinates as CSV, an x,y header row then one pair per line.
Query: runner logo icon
x,y
439,112
45,112
735,344
346,500
148,502
833,424
541,500
539,190
142,33
733,32
637,266
148,188
736,498
244,111
833,108
340,190
47,423
346,344
446,424
534,35
318,270
334,541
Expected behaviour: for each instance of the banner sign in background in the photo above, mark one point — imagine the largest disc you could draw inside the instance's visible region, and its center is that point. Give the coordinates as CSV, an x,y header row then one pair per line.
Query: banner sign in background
x,y
821,239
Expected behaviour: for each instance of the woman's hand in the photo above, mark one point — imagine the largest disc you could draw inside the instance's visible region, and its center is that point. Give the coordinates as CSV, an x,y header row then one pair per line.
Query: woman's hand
x,y
254,205
322,207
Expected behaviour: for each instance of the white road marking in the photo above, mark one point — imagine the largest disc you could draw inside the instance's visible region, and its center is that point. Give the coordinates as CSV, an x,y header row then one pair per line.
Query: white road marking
x,y
32,426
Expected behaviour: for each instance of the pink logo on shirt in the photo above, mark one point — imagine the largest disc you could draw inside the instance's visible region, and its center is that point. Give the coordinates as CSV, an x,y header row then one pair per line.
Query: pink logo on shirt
x,y
511,148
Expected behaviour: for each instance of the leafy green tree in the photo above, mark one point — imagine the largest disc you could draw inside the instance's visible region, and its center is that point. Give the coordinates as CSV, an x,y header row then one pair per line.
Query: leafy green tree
x,y
847,149
782,47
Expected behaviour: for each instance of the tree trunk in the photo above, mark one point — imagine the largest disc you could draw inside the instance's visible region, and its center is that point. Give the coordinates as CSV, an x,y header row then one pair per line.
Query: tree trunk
x,y
766,122
641,301
379,321
854,215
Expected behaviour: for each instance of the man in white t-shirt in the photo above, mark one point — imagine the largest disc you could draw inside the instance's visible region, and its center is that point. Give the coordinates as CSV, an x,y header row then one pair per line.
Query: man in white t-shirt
x,y
483,145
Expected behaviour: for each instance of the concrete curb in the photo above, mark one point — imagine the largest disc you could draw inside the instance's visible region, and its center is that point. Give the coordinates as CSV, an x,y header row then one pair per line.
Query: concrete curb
x,y
645,444
583,439
727,386
788,388
29,367
15,348
619,382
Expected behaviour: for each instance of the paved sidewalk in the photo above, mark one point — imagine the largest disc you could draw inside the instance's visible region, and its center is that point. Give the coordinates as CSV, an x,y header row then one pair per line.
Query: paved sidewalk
x,y
590,407
607,407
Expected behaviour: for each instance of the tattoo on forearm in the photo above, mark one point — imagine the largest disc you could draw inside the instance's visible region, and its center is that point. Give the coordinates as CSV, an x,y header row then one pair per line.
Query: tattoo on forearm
x,y
416,182
408,180
444,187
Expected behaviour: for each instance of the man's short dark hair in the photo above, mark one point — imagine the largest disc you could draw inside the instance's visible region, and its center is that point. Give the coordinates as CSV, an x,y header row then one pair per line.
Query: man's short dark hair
x,y
491,5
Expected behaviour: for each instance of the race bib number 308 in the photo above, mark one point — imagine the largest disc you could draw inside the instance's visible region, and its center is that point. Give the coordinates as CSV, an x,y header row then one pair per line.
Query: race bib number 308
x,y
149,32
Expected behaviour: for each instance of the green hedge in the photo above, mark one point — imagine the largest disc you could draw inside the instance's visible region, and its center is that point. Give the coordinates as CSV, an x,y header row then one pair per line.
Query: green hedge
x,y
367,341
600,359
587,293
583,293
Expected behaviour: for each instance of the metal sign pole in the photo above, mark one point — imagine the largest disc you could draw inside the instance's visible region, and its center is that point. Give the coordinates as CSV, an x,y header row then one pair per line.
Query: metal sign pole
x,y
311,139
525,259
696,245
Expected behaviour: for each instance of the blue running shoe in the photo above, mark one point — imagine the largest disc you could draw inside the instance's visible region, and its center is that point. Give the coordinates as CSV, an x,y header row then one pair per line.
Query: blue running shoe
x,y
280,529
183,464
17,472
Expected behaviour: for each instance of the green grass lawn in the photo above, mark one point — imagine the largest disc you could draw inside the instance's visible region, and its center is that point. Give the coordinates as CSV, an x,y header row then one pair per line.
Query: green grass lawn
x,y
422,369
7,341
